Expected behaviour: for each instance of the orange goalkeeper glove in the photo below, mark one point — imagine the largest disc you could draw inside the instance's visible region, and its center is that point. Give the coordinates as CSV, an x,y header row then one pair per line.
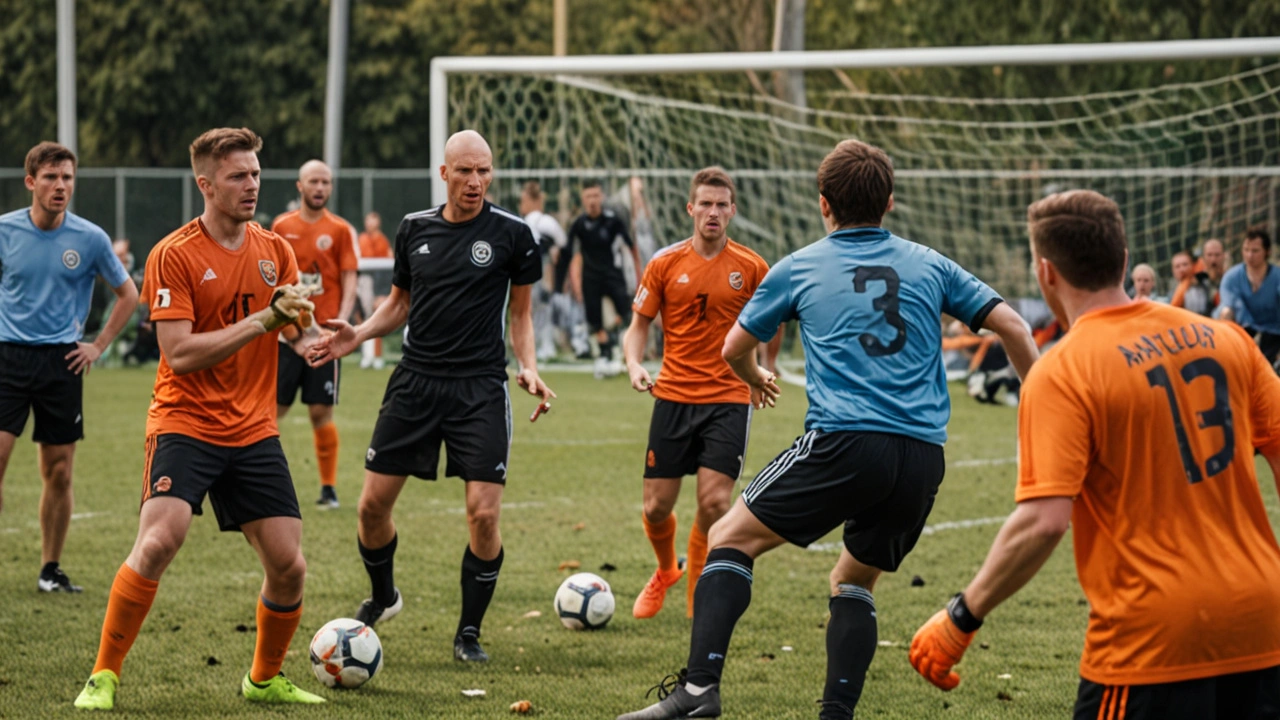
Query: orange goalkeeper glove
x,y
940,643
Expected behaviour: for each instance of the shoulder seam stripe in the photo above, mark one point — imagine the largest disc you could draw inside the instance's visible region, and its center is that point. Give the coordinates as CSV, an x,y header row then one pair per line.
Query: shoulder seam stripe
x,y
670,248
422,213
504,213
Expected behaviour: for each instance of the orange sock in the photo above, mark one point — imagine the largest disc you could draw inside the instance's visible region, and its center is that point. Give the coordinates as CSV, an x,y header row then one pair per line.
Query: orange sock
x,y
275,630
377,347
130,601
663,538
327,453
697,559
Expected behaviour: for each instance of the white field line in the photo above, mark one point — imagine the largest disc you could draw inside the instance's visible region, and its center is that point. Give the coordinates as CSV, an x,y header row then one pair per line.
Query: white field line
x,y
928,530
36,525
983,462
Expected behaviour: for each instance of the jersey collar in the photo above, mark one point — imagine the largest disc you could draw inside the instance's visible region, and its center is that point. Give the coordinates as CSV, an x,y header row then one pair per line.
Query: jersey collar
x,y
863,234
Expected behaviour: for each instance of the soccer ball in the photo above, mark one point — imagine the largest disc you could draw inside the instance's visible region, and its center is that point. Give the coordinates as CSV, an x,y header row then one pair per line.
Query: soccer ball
x,y
584,602
345,653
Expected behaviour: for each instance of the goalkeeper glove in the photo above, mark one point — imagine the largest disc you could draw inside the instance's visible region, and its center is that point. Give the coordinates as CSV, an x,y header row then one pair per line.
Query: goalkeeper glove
x,y
940,643
288,303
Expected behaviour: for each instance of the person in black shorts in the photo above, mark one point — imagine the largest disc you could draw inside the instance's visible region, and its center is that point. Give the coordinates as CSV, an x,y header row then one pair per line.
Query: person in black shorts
x,y
211,427
869,304
453,266
592,238
49,258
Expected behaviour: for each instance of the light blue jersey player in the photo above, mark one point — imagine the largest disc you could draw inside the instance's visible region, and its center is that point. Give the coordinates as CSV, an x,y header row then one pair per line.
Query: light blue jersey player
x,y
1250,293
49,259
869,306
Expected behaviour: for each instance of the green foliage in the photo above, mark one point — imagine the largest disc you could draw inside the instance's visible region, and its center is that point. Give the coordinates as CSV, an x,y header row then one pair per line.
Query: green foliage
x,y
152,74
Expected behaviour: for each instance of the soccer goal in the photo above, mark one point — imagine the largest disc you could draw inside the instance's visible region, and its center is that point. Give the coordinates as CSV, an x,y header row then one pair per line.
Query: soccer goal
x,y
1186,159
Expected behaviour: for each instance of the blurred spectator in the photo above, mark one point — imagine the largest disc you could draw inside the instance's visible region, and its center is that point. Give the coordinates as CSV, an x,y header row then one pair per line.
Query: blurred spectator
x,y
373,244
1198,292
1251,293
551,241
1144,281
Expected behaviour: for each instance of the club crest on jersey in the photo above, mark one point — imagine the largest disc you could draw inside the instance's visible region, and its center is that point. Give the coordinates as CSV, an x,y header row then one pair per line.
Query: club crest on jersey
x,y
481,253
323,243
71,259
735,280
268,270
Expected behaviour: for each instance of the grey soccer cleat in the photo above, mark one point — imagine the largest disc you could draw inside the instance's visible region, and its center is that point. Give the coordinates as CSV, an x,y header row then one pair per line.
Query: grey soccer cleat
x,y
371,612
675,701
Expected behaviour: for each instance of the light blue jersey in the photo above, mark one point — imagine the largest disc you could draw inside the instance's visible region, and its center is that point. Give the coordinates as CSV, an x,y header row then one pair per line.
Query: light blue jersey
x,y
869,305
46,278
1255,310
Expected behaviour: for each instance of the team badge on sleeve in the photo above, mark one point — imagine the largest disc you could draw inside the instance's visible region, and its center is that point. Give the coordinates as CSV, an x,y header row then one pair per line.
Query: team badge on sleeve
x,y
268,270
735,280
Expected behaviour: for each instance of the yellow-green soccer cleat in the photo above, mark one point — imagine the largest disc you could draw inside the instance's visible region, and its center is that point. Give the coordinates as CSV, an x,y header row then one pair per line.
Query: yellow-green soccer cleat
x,y
100,692
278,689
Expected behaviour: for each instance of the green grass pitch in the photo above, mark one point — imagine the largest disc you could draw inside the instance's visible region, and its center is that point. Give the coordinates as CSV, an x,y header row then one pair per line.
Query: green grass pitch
x,y
574,494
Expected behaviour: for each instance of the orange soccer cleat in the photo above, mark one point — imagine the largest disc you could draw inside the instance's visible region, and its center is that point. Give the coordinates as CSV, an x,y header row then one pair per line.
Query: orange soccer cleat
x,y
650,600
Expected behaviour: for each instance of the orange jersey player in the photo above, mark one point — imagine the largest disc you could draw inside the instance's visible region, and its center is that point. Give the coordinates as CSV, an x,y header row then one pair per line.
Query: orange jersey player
x,y
325,246
1138,429
701,411
219,289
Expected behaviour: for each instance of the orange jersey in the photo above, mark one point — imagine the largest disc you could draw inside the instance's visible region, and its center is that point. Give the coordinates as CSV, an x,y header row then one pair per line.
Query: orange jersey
x,y
191,277
325,249
699,300
1148,416
374,245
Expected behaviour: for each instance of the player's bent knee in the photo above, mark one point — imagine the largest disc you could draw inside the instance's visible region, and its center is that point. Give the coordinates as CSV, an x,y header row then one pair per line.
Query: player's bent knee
x,y
483,520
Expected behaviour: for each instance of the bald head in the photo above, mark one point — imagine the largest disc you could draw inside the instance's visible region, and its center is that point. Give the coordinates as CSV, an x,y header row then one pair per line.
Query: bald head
x,y
315,184
465,142
1215,258
467,172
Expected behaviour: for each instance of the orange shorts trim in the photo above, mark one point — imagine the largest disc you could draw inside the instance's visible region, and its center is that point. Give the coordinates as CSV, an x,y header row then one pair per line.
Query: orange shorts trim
x,y
1115,701
150,452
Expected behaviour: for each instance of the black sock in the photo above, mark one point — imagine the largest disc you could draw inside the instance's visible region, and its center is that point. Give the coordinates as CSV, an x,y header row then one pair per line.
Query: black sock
x,y
479,579
606,348
380,564
49,569
851,643
722,595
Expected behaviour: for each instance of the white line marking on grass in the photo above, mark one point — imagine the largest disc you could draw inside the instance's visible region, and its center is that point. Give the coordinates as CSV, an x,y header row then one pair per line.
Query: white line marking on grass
x,y
928,530
983,462
36,525
588,442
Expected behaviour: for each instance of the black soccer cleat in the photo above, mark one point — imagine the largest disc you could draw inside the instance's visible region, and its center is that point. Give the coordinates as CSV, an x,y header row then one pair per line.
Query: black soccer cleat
x,y
56,581
467,649
370,612
328,497
675,701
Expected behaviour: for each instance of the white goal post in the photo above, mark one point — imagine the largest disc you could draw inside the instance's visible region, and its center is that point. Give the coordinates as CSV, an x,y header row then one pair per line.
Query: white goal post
x,y
1184,159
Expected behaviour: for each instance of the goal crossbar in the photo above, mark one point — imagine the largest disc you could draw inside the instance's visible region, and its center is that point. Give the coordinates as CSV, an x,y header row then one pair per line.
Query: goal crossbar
x,y
1017,55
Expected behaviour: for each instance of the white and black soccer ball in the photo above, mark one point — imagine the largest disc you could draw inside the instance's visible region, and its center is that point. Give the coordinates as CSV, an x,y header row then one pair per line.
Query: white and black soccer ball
x,y
584,602
345,653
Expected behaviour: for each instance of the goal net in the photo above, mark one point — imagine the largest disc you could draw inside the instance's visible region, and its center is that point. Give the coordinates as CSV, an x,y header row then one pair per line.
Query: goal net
x,y
1187,161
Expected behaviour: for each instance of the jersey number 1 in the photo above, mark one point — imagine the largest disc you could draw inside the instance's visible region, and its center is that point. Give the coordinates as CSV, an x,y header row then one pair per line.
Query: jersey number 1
x,y
1217,416
886,303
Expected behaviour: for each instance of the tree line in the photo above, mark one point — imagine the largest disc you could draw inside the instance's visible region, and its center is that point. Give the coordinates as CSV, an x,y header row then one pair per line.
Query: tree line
x,y
153,74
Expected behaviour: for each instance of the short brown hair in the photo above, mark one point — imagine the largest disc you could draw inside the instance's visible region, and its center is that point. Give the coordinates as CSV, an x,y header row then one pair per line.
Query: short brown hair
x,y
47,153
215,144
532,190
857,181
1082,233
1258,232
714,176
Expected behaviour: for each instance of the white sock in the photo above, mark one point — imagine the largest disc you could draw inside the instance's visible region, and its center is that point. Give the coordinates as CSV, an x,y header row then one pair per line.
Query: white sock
x,y
366,349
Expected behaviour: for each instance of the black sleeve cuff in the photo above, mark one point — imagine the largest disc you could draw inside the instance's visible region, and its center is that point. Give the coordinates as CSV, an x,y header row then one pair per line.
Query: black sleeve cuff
x,y
975,323
961,616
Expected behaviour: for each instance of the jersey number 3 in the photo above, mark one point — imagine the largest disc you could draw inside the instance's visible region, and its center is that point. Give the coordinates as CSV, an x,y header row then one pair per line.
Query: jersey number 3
x,y
1217,416
886,303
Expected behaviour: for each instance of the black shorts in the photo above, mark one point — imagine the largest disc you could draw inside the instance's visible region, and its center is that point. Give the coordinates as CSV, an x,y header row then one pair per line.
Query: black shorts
x,y
319,385
37,378
243,483
1251,695
472,416
684,437
595,289
880,486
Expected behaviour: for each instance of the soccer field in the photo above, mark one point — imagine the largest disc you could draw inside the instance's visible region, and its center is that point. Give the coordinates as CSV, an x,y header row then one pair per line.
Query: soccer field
x,y
573,495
